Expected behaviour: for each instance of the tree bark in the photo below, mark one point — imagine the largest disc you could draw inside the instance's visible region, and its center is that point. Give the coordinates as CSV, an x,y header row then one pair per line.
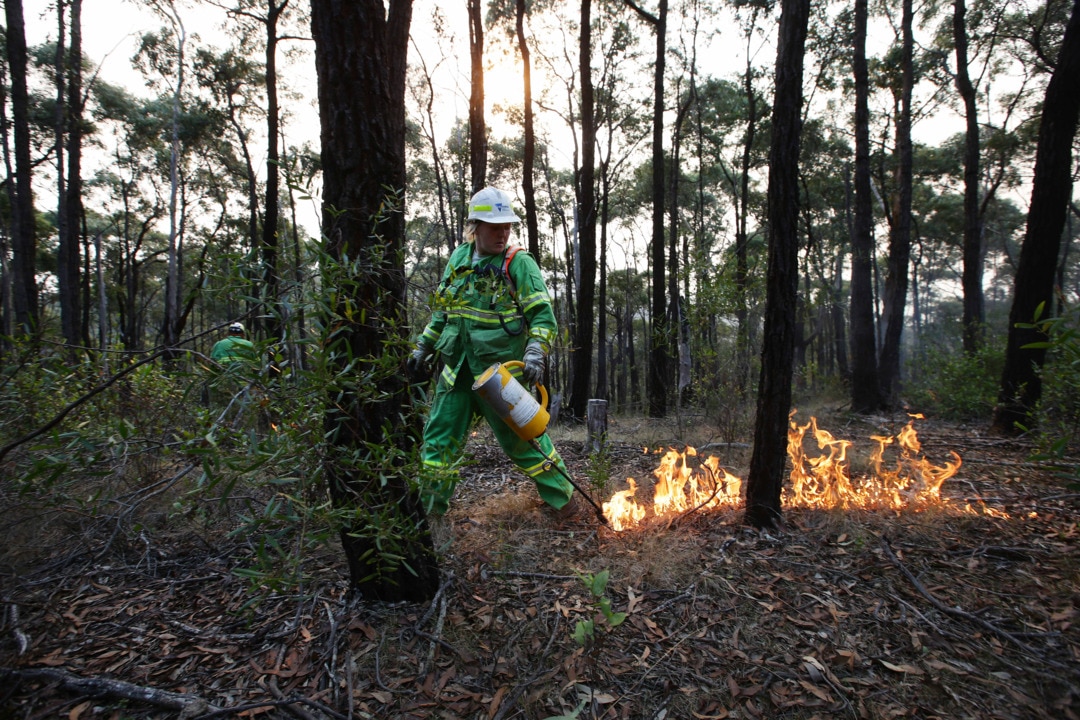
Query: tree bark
x,y
170,329
1051,189
659,383
972,278
896,277
477,128
528,160
76,331
865,390
275,323
766,475
360,59
23,243
586,200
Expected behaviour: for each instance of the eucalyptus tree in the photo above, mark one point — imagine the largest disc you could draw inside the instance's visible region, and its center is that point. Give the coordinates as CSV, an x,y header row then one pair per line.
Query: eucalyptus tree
x,y
750,154
896,278
825,226
765,478
127,198
478,147
269,16
20,178
165,53
1025,353
360,59
865,389
585,196
515,15
660,341
69,133
439,163
621,129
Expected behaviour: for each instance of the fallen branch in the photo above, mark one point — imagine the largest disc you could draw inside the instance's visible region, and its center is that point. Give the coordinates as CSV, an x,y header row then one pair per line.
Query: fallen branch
x,y
189,706
964,615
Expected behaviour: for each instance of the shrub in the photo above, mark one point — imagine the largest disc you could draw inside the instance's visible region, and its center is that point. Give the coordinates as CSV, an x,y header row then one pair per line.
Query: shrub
x,y
955,385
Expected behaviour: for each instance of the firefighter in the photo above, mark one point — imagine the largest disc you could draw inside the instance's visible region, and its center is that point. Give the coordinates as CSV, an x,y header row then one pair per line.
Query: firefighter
x,y
491,306
234,348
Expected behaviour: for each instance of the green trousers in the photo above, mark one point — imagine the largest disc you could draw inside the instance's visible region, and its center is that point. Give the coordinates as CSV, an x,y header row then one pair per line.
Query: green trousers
x,y
445,435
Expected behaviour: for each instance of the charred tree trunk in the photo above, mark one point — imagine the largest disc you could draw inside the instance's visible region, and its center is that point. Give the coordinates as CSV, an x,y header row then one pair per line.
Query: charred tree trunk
x,y
477,127
275,323
360,54
766,475
660,350
23,241
73,207
1021,384
972,278
528,160
586,201
896,277
865,389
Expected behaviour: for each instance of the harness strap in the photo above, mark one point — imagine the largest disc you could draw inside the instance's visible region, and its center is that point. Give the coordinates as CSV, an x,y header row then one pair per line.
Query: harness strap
x,y
510,253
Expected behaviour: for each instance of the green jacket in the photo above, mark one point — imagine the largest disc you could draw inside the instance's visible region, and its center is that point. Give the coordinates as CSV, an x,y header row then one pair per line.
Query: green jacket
x,y
481,318
232,349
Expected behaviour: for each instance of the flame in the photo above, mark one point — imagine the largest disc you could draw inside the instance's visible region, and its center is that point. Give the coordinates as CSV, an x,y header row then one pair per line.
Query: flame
x,y
680,487
824,481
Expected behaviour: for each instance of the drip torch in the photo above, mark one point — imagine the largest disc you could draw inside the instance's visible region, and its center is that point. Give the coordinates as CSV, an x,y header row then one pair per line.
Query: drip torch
x,y
526,416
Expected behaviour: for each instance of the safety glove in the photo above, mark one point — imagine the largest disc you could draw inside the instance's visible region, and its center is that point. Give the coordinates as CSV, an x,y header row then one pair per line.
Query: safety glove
x,y
419,363
534,360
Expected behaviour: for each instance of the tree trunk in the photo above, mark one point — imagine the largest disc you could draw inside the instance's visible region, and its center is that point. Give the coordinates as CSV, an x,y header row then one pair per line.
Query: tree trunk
x,y
67,251
586,201
742,236
766,475
972,278
1051,190
23,240
477,128
73,207
174,278
528,161
896,277
865,389
659,384
602,356
275,323
360,59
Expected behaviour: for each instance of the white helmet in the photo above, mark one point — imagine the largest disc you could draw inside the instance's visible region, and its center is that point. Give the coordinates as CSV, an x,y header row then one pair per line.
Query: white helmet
x,y
492,205
236,327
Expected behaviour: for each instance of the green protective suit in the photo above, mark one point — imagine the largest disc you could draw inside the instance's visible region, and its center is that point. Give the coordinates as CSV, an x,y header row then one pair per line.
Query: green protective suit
x,y
479,319
232,349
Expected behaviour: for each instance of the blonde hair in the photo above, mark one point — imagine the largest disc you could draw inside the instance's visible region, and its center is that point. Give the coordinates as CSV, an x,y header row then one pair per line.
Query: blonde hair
x,y
470,230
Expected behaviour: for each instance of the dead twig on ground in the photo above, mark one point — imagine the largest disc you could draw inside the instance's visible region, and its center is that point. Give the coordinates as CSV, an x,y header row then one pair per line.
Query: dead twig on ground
x,y
964,615
188,705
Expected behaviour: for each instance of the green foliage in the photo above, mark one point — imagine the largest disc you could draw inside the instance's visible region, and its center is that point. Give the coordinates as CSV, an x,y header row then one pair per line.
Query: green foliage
x,y
585,630
954,385
598,469
1058,415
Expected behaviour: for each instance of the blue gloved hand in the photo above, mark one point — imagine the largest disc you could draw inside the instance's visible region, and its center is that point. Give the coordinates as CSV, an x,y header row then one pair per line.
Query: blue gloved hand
x,y
535,359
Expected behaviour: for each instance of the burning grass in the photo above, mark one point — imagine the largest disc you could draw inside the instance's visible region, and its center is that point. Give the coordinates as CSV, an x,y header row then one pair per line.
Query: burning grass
x,y
848,611
900,478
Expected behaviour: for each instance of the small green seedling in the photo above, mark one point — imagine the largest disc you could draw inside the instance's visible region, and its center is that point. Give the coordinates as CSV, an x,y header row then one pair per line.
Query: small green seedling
x,y
585,630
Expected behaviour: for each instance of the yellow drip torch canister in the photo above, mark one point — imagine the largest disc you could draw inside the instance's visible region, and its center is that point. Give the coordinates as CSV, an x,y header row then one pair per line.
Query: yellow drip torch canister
x,y
527,417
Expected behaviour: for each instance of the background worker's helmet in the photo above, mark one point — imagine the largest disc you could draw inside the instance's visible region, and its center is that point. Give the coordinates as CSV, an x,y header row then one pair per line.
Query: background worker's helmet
x,y
236,327
492,205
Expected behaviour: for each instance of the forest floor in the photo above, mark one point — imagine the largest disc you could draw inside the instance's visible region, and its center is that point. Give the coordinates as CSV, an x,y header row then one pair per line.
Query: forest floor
x,y
967,608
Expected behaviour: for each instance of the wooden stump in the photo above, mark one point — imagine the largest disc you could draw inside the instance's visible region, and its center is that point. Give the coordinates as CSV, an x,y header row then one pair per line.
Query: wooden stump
x,y
596,421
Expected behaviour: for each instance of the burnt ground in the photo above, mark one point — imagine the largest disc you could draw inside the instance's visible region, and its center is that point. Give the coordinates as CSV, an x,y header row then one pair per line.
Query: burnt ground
x,y
964,609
